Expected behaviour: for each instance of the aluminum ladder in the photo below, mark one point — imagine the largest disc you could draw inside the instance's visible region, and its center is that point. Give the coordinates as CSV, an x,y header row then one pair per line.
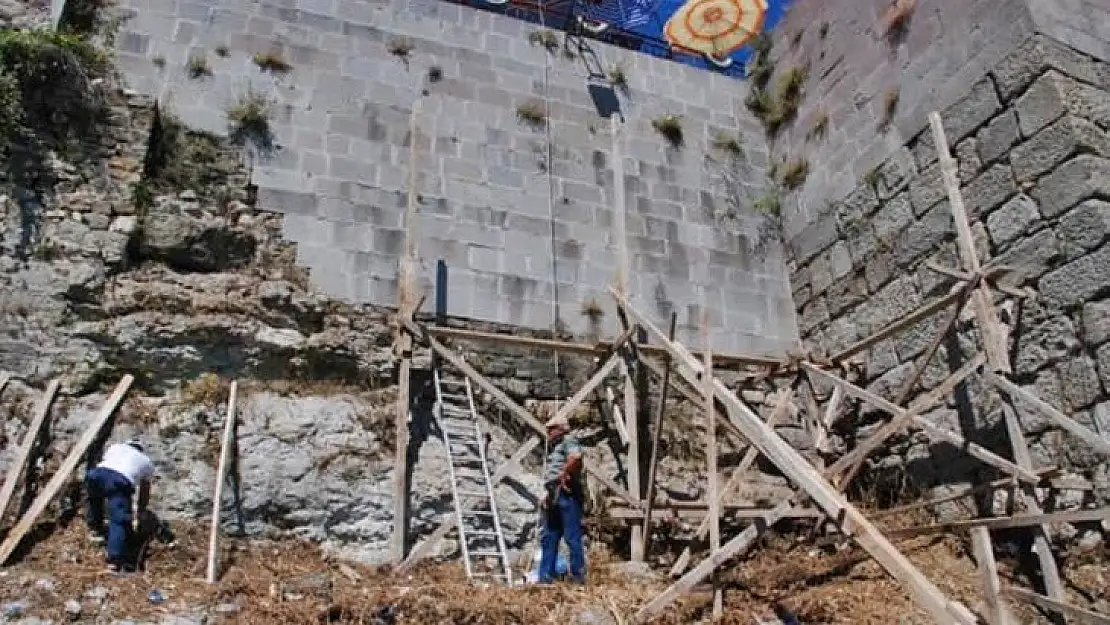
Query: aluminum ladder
x,y
480,537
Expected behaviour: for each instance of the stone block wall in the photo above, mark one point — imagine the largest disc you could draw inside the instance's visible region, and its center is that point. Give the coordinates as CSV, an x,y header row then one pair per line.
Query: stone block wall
x,y
522,216
1032,138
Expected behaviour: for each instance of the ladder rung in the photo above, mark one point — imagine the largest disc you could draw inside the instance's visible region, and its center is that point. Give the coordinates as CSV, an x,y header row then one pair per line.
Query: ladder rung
x,y
481,533
474,493
478,513
485,554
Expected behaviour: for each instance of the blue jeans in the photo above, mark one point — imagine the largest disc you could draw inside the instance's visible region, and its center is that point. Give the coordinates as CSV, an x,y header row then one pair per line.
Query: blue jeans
x,y
563,521
106,486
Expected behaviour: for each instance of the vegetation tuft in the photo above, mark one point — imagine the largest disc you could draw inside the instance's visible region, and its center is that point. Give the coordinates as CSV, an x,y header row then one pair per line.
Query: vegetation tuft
x,y
618,77
249,121
727,143
272,62
545,37
532,113
592,309
794,173
197,66
820,125
768,204
890,107
670,127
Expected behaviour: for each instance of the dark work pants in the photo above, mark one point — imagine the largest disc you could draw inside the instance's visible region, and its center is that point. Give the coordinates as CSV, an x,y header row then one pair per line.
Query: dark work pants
x,y
563,522
110,488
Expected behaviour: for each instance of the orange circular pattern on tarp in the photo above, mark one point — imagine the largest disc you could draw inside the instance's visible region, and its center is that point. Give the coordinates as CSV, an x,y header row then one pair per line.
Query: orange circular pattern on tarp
x,y
715,27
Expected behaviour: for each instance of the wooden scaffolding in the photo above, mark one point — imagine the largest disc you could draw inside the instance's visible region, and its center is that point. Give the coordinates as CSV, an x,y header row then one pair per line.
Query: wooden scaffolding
x,y
819,489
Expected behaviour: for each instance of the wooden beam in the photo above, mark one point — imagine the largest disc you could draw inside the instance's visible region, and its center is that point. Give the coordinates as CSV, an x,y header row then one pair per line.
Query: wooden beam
x,y
62,475
221,477
1048,479
1082,615
795,467
728,512
425,548
514,408
618,417
587,349
1006,522
922,364
782,408
930,429
711,457
906,322
4,377
988,576
828,419
994,338
595,380
1066,423
656,438
42,410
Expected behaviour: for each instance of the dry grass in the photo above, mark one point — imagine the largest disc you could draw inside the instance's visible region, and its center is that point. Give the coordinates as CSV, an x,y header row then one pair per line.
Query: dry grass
x,y
728,143
890,107
272,62
206,390
670,127
532,113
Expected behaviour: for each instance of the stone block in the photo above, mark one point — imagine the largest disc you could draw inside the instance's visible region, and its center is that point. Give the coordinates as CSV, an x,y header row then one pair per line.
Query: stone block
x,y
967,159
840,261
1096,323
894,174
1054,144
966,115
988,191
1103,357
1014,219
1079,383
845,294
924,235
894,216
813,315
996,139
893,301
1030,258
1085,227
815,238
926,190
1080,178
1042,104
1078,281
860,203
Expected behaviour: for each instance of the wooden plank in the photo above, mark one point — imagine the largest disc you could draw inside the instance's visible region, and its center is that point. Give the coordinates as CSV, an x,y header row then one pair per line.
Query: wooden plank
x,y
587,349
711,457
221,477
795,467
656,438
988,576
901,420
1066,423
595,380
618,417
828,419
514,408
62,475
994,338
1006,522
425,548
731,513
1082,615
922,363
42,409
903,324
4,378
1048,479
782,408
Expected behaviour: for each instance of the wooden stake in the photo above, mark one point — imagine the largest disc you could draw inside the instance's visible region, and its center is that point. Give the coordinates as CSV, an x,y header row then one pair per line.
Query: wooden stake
x,y
656,436
799,471
994,344
988,574
61,476
711,455
42,409
221,476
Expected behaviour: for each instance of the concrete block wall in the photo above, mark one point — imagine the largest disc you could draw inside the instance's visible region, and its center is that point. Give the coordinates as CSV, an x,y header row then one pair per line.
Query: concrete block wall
x,y
1032,138
524,221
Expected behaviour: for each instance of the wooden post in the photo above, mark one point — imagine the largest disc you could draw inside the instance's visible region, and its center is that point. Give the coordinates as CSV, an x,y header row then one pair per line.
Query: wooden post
x,y
61,476
988,573
711,455
406,295
221,476
42,409
656,435
994,344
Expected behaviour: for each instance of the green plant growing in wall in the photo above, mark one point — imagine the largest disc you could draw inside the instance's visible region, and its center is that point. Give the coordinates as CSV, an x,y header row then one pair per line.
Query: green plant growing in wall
x,y
532,113
158,61
820,125
592,309
544,37
222,51
768,204
873,176
400,47
435,74
670,127
890,108
896,21
618,77
249,121
794,173
796,40
761,68
272,62
727,143
197,66
823,31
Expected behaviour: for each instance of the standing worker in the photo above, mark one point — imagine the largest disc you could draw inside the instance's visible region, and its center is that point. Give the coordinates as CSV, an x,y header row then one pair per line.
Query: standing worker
x,y
123,468
562,502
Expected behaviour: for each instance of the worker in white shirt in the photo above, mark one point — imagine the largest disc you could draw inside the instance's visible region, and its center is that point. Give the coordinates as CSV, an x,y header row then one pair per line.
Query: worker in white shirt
x,y
123,470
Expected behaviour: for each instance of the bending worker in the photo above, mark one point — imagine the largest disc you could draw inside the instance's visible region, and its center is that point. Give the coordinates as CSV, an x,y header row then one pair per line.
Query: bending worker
x,y
562,502
123,469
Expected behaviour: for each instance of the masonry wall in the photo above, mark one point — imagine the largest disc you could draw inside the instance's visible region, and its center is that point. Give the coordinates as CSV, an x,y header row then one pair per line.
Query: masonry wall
x,y
522,216
855,65
1033,142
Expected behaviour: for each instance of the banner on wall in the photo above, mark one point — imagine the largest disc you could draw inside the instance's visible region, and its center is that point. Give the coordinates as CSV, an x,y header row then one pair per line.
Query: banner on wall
x,y
716,34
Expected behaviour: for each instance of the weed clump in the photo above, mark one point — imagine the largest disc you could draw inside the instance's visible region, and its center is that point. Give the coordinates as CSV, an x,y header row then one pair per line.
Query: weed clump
x,y
890,107
272,62
197,66
249,121
618,77
670,127
532,113
793,174
544,37
727,143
